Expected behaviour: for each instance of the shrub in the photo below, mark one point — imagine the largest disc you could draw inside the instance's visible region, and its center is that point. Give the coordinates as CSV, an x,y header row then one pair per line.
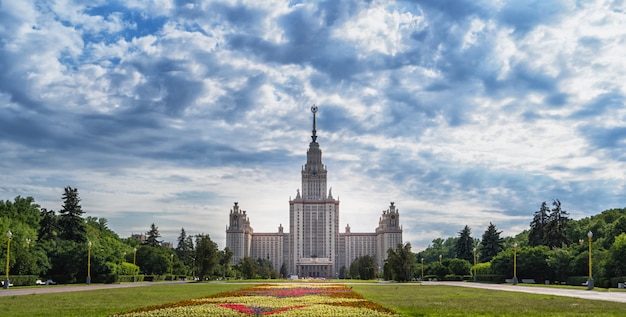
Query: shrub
x,y
491,278
22,280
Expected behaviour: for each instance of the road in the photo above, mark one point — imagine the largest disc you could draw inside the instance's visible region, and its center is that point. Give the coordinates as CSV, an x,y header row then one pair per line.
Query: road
x,y
614,296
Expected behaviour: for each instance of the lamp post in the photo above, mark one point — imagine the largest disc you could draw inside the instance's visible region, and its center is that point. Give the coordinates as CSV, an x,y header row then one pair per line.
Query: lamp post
x,y
590,280
422,269
515,263
440,259
134,263
88,262
474,264
6,280
27,243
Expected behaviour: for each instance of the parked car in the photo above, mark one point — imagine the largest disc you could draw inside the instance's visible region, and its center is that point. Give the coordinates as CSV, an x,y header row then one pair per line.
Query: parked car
x,y
2,283
47,282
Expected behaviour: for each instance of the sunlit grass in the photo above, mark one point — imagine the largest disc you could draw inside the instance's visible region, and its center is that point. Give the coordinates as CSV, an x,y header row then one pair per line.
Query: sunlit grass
x,y
108,301
422,300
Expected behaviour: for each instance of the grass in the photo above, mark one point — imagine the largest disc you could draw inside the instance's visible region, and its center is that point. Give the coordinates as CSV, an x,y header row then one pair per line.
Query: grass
x,y
417,300
106,302
406,299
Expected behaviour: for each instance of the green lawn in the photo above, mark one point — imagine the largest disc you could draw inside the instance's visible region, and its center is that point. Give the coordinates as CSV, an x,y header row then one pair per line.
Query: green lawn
x,y
419,300
407,299
106,302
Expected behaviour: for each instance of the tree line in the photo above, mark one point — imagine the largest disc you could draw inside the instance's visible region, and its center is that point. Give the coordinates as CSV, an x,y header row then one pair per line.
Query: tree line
x,y
53,244
555,248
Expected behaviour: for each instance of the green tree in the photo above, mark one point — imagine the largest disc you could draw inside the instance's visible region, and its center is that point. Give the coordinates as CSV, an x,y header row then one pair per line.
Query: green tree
x,y
531,263
283,270
152,236
153,260
560,263
557,226
491,244
226,256
465,245
401,262
71,224
23,210
616,262
538,226
363,267
206,256
248,267
48,225
184,250
459,266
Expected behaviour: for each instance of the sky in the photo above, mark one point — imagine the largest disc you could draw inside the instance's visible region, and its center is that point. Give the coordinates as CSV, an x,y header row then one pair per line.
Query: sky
x,y
460,112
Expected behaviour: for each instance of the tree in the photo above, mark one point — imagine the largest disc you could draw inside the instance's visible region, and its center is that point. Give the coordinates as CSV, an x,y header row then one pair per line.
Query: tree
x,y
153,260
538,226
248,267
71,224
491,244
616,262
363,267
152,237
531,263
184,250
206,256
48,225
401,262
556,227
225,257
459,266
560,262
465,245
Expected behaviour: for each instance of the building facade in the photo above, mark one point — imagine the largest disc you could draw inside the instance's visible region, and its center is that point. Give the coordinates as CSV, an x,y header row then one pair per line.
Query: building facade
x,y
314,245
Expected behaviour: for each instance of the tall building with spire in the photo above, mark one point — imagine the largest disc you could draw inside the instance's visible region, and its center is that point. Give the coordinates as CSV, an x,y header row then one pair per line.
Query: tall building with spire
x,y
313,247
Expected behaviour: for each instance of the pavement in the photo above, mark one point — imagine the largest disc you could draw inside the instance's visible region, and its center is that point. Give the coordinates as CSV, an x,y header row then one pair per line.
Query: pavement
x,y
612,296
47,289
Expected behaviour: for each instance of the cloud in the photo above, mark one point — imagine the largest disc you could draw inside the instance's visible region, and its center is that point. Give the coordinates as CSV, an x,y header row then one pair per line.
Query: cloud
x,y
461,112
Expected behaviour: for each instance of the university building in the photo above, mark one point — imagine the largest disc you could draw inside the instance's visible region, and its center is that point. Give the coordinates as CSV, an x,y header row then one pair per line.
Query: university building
x,y
313,247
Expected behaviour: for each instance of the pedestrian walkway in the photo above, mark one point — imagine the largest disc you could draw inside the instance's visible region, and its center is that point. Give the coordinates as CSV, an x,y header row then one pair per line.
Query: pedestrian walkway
x,y
75,288
615,296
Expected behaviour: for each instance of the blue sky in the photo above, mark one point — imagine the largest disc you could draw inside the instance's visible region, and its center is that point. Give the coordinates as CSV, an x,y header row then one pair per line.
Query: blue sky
x,y
460,112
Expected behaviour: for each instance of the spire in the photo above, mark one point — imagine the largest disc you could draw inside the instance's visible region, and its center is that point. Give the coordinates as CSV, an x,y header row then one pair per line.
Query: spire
x,y
314,110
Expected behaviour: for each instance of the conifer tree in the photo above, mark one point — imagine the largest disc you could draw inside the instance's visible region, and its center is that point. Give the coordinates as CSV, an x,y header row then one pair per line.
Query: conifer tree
x,y
491,244
72,226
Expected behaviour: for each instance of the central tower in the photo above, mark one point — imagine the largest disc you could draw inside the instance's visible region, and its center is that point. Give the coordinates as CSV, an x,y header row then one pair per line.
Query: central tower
x,y
314,219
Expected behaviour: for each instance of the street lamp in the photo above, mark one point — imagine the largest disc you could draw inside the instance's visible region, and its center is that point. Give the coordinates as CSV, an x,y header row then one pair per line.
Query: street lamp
x,y
590,280
134,263
6,280
27,243
515,263
88,262
440,259
422,269
474,264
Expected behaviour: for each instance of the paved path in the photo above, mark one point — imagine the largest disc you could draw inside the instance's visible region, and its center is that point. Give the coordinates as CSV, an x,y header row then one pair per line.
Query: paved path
x,y
79,288
615,296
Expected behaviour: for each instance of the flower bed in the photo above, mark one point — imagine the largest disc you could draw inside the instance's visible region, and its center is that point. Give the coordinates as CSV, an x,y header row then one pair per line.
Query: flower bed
x,y
273,299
